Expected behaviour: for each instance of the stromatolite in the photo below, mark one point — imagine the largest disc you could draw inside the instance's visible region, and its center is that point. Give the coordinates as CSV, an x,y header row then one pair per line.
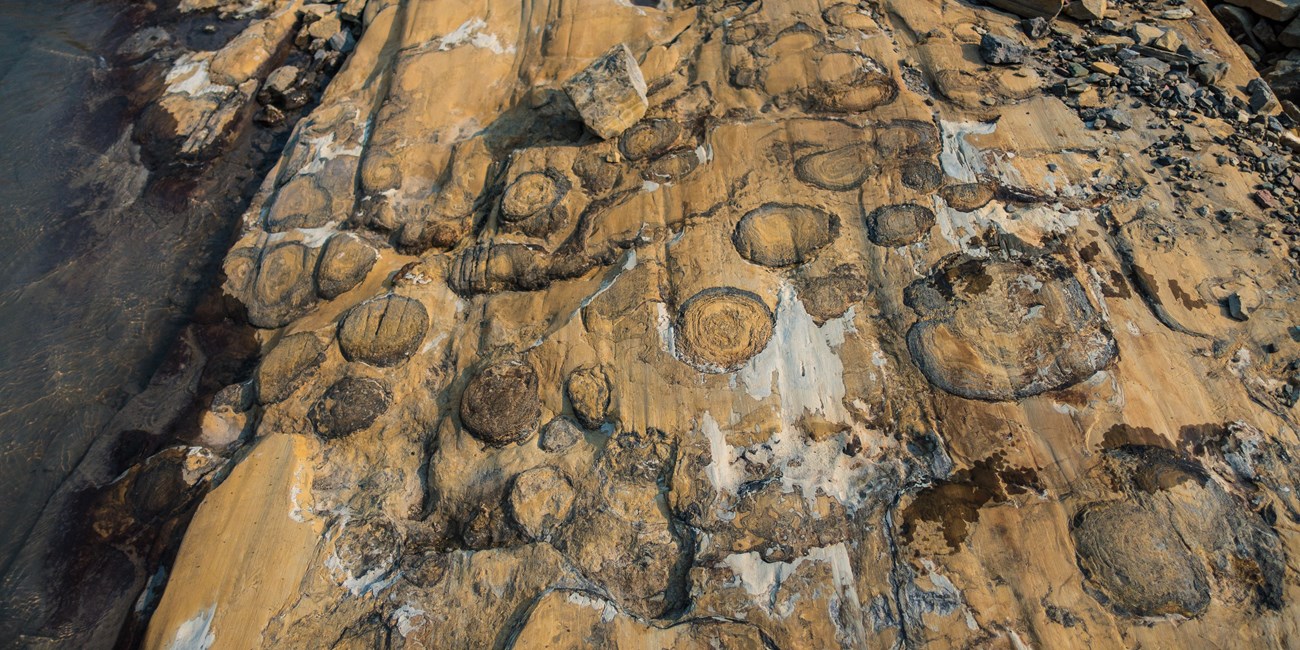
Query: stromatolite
x,y
967,197
500,405
1003,330
720,329
531,193
288,365
350,405
920,175
899,225
837,169
649,138
779,235
588,390
672,166
383,331
540,500
344,263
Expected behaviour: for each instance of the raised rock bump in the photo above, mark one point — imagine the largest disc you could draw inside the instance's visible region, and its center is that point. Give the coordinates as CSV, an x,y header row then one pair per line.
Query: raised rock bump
x,y
899,225
499,405
383,331
350,405
779,235
722,328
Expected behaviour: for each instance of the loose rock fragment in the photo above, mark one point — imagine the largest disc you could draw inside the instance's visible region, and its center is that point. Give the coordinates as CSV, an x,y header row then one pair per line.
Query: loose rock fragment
x,y
780,235
1086,9
288,365
720,329
1000,50
383,331
350,405
589,392
1030,8
540,501
610,93
500,405
1261,97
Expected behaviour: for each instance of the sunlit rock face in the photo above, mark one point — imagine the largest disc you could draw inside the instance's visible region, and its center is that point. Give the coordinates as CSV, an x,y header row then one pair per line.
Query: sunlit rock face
x,y
774,324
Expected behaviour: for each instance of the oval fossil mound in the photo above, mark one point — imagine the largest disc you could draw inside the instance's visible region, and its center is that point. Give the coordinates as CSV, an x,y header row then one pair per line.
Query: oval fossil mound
x,y
1137,561
500,405
968,197
720,329
899,225
784,235
648,138
383,331
350,405
1004,330
530,193
837,170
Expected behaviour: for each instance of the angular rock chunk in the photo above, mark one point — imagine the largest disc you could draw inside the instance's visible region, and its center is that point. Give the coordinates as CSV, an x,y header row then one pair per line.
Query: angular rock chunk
x,y
1137,561
344,263
589,392
1004,330
540,501
383,331
288,365
722,328
500,405
838,169
610,93
350,405
968,197
780,235
559,435
899,225
1000,50
1279,10
1086,9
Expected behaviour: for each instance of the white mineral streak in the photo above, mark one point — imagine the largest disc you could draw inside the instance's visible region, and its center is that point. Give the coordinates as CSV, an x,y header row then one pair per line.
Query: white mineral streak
x,y
960,159
471,33
196,633
190,77
606,609
406,616
761,578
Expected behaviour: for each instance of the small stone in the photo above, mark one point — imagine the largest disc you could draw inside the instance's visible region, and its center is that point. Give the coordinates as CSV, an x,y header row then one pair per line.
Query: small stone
x,y
1145,33
1265,199
559,435
324,28
540,501
1211,73
1181,13
999,50
342,41
1086,9
1117,119
1104,67
610,94
1036,28
589,392
282,79
1046,9
1290,37
1169,41
1262,99
1235,309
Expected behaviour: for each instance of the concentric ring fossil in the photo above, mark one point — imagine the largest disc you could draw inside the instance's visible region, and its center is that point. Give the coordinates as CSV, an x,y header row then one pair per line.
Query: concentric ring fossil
x,y
901,139
968,197
837,169
500,405
899,225
531,193
350,405
383,331
649,138
779,235
288,365
920,175
344,263
1005,330
850,82
671,166
720,329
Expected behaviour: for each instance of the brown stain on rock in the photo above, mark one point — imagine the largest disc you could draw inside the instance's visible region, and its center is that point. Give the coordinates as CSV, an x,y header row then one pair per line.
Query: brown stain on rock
x,y
955,503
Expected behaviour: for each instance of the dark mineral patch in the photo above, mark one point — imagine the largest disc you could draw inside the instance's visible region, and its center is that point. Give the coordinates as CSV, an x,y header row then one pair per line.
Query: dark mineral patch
x,y
968,197
350,405
500,405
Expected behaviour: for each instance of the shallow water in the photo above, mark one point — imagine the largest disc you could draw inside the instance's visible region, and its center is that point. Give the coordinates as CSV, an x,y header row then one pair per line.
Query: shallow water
x,y
94,280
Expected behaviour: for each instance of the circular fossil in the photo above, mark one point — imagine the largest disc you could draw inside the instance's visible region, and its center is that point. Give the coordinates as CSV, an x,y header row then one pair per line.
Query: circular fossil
x,y
671,166
967,197
343,264
902,139
899,225
837,169
1005,330
720,329
499,404
649,138
540,501
531,193
784,235
383,331
350,405
920,175
288,365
